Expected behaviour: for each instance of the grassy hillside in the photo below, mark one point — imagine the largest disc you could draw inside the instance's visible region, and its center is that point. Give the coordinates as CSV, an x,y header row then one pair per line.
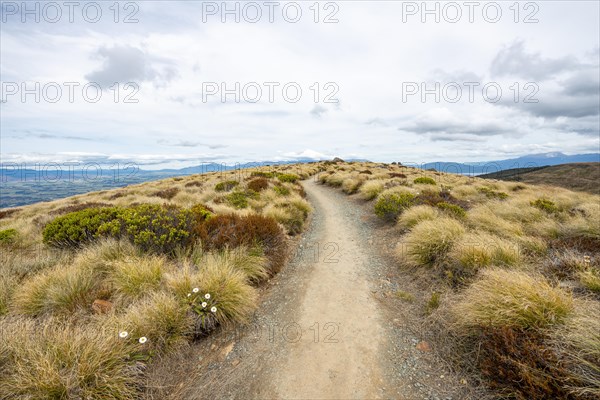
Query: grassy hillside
x,y
512,272
94,287
583,177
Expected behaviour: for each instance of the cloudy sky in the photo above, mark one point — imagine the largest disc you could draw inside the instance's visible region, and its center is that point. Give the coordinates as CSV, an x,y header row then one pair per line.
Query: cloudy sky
x,y
171,84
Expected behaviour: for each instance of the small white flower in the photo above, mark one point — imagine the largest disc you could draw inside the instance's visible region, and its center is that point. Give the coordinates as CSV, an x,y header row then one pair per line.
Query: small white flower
x,y
213,309
143,339
207,296
204,304
123,334
195,290
189,294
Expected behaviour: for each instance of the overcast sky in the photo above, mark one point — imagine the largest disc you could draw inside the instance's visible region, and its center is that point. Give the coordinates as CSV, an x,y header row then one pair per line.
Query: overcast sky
x,y
364,62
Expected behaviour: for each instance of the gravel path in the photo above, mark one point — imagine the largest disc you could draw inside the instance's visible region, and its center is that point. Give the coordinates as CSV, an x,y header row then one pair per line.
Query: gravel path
x,y
328,326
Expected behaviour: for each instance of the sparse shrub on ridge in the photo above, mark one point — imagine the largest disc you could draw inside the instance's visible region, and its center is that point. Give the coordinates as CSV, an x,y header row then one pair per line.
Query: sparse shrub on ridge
x,y
390,205
452,209
545,205
226,186
492,194
424,180
291,178
8,236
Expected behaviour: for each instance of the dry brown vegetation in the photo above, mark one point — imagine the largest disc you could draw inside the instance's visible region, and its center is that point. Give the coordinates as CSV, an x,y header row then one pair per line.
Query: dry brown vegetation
x,y
514,269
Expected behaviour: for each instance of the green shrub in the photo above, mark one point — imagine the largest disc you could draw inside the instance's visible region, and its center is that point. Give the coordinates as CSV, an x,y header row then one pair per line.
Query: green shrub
x,y
492,194
152,227
291,178
425,180
433,303
281,190
226,186
201,212
79,227
390,205
545,205
237,199
452,209
262,174
8,236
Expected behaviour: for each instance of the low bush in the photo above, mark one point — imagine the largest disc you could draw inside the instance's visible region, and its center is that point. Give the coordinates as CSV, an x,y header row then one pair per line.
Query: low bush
x,y
424,180
521,364
390,205
492,194
152,227
258,184
78,227
78,207
262,174
452,209
226,186
8,236
167,194
512,299
397,175
281,190
233,231
198,184
351,185
237,199
8,212
291,178
546,205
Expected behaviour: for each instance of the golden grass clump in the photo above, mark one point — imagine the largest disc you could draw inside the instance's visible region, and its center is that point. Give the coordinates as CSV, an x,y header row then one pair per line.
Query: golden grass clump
x,y
481,249
429,241
578,344
416,214
62,290
371,189
351,185
160,317
483,217
235,298
501,298
62,361
133,277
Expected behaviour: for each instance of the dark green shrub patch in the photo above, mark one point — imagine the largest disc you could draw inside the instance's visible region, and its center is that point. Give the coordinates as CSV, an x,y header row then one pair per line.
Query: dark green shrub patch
x,y
425,180
452,209
152,227
8,236
281,190
291,178
390,205
545,205
492,194
226,186
262,174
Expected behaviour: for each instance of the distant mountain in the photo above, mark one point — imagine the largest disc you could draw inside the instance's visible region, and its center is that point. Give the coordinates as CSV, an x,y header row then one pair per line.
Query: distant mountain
x,y
528,161
583,177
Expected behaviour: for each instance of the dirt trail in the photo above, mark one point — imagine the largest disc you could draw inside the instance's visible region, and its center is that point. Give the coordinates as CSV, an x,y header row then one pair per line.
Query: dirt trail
x,y
343,360
324,329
